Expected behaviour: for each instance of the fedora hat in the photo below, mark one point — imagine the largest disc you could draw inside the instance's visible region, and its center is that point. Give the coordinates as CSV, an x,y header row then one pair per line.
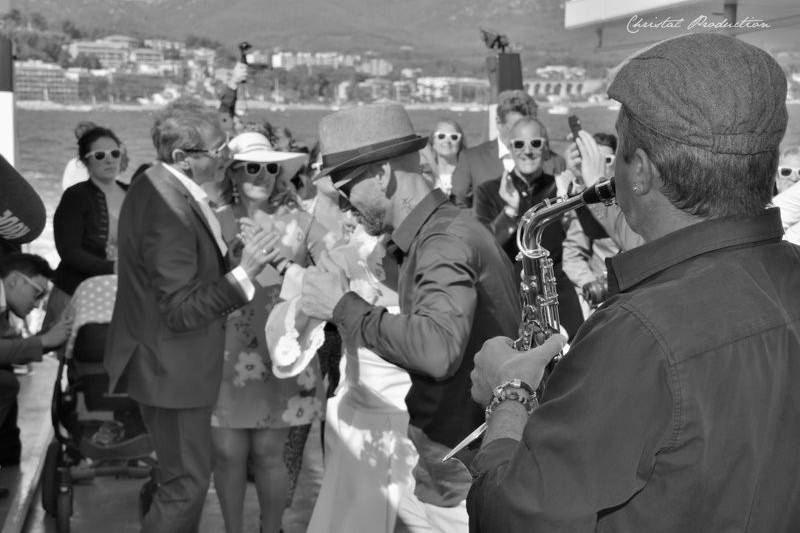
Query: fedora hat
x,y
365,134
254,147
22,214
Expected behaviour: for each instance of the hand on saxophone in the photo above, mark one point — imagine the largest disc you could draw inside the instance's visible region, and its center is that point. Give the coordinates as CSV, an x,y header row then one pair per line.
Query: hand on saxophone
x,y
498,362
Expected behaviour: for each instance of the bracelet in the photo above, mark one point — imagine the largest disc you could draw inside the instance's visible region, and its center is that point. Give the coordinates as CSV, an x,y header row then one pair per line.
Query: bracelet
x,y
516,390
282,270
510,211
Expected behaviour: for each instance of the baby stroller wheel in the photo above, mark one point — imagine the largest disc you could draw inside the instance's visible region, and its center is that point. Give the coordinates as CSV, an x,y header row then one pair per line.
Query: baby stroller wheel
x,y
63,508
50,478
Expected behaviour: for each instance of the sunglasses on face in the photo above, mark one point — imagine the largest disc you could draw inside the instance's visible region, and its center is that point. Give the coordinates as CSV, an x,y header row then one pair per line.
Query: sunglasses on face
x,y
535,143
254,169
786,172
41,292
220,152
99,155
441,135
609,159
350,178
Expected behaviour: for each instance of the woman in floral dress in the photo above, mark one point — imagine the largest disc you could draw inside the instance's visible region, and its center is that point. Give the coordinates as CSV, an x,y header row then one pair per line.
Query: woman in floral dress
x,y
258,415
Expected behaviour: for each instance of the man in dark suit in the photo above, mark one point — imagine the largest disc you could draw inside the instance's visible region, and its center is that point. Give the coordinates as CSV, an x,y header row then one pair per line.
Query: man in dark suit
x,y
489,160
167,331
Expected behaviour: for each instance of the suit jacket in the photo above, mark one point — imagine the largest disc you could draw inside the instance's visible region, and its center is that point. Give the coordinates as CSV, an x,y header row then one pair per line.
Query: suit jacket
x,y
167,331
482,163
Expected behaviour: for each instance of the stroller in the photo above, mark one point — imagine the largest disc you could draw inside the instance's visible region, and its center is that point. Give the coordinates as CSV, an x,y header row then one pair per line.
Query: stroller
x,y
96,433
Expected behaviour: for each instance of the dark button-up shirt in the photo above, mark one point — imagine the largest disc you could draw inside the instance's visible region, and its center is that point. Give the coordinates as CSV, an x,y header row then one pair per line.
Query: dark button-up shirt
x,y
489,209
456,291
80,230
677,407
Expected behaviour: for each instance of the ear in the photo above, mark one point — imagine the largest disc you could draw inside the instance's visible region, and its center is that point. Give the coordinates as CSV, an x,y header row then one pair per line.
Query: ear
x,y
644,173
179,157
384,175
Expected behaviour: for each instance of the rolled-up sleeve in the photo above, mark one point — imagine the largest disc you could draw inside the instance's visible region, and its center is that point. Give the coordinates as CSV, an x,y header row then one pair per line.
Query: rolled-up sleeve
x,y
431,337
591,445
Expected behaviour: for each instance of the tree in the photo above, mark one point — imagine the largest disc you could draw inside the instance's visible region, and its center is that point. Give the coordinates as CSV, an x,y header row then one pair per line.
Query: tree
x,y
38,21
89,61
71,30
13,17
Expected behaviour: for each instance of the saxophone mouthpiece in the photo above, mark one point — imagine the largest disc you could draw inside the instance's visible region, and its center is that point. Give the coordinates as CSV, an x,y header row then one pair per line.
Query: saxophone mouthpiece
x,y
602,191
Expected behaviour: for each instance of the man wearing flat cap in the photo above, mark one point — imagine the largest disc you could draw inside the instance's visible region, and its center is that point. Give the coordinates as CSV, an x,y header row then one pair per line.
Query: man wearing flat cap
x,y
454,284
677,407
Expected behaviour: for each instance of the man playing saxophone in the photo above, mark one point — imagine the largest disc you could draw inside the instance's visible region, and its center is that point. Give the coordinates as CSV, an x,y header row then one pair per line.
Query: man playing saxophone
x,y
676,408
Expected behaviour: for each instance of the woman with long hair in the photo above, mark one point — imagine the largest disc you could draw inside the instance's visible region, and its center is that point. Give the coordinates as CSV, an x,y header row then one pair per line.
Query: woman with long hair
x,y
258,414
444,144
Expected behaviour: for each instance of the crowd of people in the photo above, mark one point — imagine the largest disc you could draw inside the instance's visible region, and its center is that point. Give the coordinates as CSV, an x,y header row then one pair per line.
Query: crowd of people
x,y
370,283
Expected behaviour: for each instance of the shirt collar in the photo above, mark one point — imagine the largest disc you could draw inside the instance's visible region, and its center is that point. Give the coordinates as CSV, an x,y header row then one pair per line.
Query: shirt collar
x,y
194,189
408,229
630,268
502,150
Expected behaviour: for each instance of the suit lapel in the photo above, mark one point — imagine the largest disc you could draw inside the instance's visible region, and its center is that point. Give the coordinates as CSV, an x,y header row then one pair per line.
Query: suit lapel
x,y
177,196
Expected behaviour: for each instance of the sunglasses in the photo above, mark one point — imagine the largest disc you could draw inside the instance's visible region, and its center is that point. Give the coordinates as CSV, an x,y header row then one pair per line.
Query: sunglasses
x,y
41,292
455,136
610,159
786,172
99,155
220,152
350,177
535,143
254,169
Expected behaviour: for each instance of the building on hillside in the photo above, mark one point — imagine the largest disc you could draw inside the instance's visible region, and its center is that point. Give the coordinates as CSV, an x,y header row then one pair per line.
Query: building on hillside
x,y
403,91
147,58
433,88
564,88
129,42
375,66
165,45
110,54
284,60
37,80
471,90
373,89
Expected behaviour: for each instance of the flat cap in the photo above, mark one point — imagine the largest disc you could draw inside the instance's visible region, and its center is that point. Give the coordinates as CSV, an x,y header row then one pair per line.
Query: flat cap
x,y
706,90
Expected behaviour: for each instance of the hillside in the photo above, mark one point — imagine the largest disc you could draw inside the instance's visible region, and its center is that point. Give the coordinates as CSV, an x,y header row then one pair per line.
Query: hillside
x,y
433,30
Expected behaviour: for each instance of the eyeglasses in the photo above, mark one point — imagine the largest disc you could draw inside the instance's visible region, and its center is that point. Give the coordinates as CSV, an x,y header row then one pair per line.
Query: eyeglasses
x,y
220,152
99,155
535,143
254,169
787,172
441,135
610,159
41,292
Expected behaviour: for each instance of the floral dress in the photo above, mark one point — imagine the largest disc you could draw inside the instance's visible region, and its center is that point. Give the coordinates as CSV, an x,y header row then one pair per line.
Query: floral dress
x,y
251,396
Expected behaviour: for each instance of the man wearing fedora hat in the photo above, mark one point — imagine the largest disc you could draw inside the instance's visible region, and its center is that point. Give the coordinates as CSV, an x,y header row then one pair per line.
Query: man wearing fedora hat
x,y
676,408
455,288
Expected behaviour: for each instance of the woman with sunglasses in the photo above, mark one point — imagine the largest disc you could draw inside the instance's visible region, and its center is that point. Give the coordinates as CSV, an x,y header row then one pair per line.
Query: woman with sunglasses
x,y
85,221
445,143
258,415
787,182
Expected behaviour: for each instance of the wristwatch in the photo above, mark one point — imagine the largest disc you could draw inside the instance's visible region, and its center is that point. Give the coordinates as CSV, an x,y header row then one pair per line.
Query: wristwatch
x,y
516,390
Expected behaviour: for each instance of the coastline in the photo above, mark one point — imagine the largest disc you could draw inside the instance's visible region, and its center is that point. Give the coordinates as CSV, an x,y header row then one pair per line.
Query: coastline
x,y
41,105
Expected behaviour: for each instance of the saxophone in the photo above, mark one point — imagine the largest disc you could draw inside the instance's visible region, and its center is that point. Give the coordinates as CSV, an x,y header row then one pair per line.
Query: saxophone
x,y
538,291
